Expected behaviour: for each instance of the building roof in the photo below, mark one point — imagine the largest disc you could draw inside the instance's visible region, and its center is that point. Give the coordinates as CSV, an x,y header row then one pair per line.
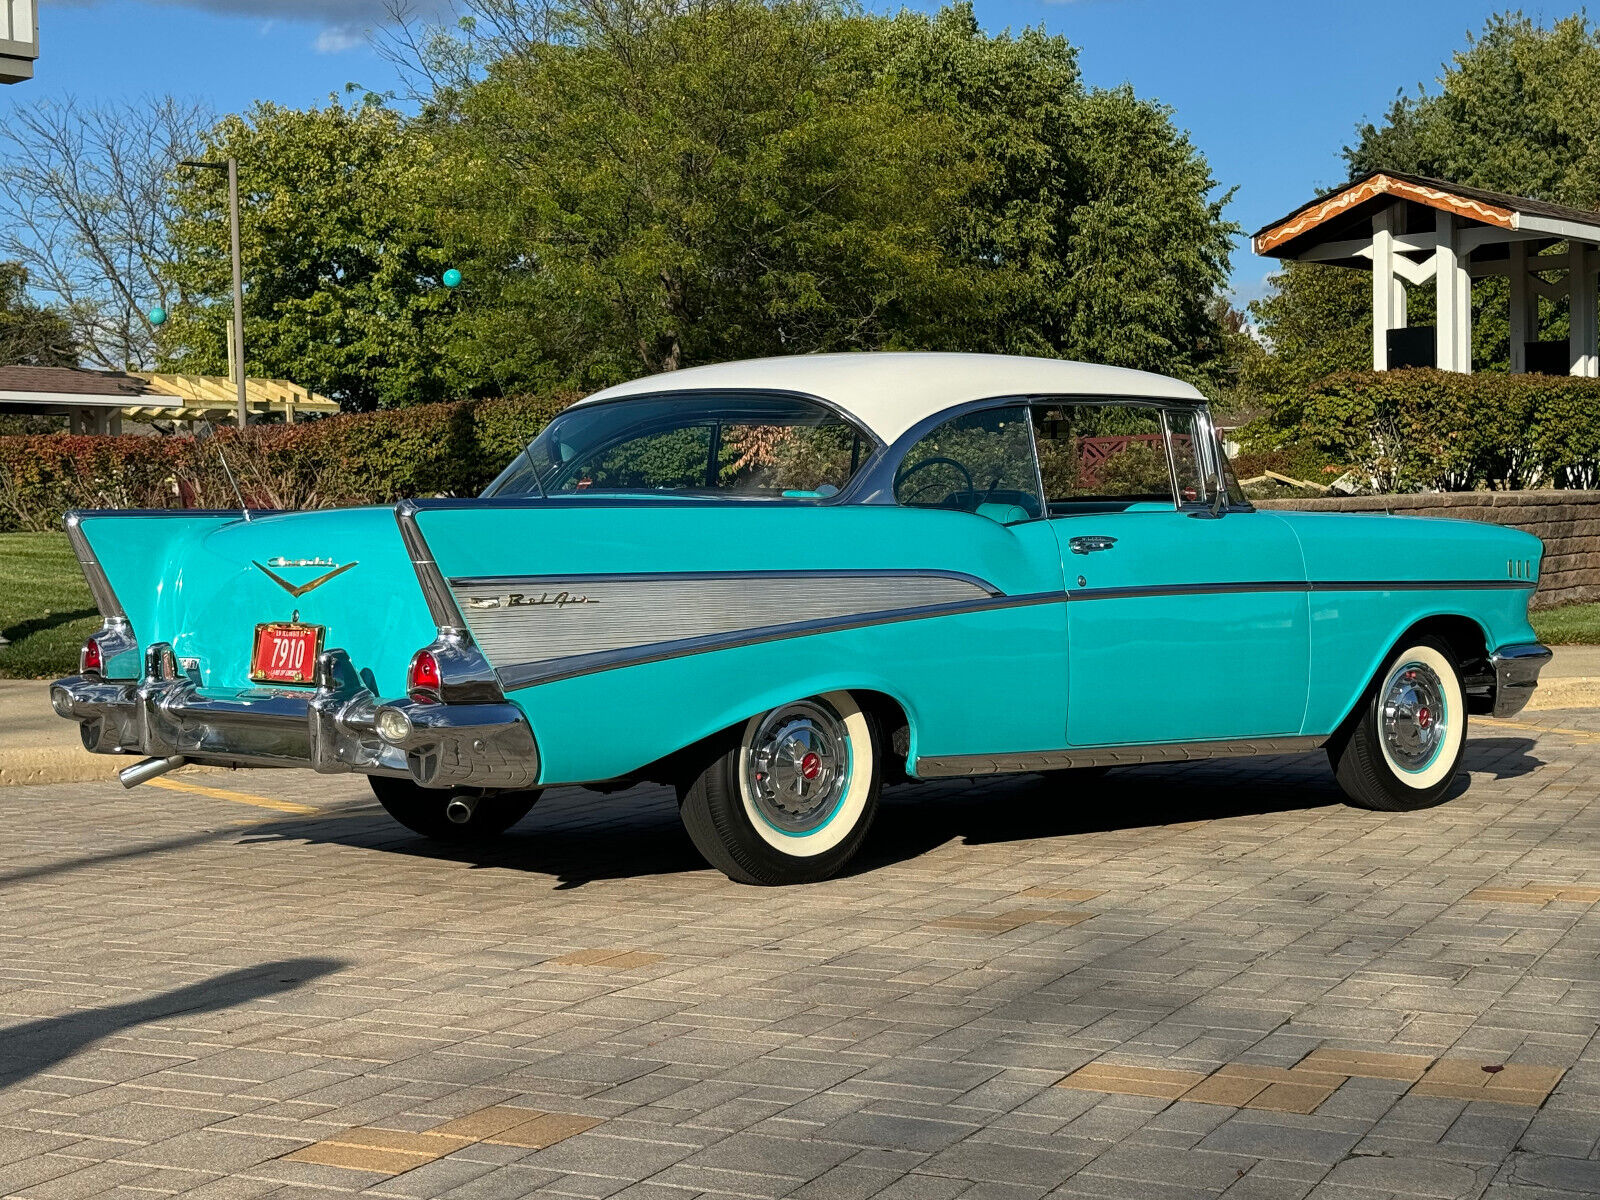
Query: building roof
x,y
70,381
1347,209
891,392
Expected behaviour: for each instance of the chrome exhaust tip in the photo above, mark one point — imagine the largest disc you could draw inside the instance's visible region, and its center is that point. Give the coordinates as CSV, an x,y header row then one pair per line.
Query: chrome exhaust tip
x,y
461,808
147,770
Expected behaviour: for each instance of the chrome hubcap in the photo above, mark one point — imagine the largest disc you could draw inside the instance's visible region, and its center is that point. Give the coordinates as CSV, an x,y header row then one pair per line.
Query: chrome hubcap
x,y
797,767
1415,720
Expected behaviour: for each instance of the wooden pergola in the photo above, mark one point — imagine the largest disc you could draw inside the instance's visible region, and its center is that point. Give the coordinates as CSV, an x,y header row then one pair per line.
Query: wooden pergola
x,y
98,401
1409,230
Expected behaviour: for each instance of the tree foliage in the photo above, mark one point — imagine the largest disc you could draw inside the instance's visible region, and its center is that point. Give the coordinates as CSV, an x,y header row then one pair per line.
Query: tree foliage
x,y
341,258
630,186
31,334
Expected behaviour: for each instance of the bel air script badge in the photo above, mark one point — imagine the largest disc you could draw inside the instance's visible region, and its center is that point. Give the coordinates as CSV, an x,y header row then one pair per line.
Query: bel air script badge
x,y
556,600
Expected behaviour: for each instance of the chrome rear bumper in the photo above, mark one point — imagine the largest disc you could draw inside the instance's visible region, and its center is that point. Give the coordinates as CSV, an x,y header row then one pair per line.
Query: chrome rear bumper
x,y
329,729
1516,674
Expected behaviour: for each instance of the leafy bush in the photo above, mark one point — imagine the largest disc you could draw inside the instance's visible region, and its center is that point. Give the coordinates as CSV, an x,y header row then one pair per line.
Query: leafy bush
x,y
1427,430
369,458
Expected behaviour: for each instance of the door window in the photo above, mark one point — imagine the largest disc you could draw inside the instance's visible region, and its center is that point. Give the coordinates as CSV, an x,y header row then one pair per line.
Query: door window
x,y
980,463
1102,457
1188,467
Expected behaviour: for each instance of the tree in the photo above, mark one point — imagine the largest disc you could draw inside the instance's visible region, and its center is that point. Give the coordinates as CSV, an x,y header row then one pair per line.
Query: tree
x,y
31,334
643,191
83,208
1090,213
341,257
1514,111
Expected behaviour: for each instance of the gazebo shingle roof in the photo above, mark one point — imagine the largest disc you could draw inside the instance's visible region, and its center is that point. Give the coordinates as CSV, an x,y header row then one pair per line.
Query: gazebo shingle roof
x,y
1476,204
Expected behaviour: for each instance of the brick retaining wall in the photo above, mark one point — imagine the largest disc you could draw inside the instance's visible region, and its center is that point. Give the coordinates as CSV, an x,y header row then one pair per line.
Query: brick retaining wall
x,y
1568,522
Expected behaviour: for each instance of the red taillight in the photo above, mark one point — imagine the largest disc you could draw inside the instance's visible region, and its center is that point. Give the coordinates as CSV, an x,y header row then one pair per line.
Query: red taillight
x,y
422,681
89,660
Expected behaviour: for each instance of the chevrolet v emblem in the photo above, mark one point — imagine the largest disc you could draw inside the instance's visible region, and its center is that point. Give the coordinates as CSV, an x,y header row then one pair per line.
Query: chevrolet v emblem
x,y
303,588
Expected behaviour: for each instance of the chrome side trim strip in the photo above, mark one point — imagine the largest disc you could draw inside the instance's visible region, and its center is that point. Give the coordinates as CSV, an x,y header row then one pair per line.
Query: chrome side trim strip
x,y
1298,585
441,603
521,675
528,674
1421,585
546,581
936,767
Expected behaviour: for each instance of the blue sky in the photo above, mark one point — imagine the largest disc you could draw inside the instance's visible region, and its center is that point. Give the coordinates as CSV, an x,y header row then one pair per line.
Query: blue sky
x,y
1270,90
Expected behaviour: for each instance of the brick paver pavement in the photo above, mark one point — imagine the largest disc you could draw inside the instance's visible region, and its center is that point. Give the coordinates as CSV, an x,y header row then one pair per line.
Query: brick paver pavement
x,y
204,997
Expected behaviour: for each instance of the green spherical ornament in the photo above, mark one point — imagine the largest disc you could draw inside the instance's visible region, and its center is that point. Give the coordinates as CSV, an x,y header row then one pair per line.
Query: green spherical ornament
x,y
158,315
451,278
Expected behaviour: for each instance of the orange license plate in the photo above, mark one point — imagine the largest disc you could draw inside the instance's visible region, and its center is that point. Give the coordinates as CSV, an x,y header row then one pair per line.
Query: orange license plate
x,y
285,652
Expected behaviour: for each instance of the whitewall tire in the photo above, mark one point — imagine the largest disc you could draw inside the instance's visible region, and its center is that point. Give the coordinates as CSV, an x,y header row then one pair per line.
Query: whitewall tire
x,y
790,799
1405,743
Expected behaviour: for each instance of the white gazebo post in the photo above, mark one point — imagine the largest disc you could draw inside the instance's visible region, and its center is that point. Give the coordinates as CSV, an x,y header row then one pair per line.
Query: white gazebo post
x,y
1581,293
1388,292
1454,329
1524,306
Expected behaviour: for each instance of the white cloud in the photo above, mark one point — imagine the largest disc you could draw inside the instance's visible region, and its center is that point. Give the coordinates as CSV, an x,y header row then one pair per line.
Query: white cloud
x,y
342,24
336,39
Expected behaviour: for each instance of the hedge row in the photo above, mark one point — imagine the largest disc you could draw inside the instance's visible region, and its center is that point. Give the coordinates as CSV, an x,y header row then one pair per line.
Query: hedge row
x,y
1427,430
368,458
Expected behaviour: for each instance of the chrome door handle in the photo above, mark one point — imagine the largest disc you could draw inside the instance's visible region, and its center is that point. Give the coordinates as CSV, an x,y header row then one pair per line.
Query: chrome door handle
x,y
1089,543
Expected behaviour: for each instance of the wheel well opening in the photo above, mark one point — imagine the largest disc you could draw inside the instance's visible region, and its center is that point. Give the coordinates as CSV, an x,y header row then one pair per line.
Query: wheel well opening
x,y
1469,650
894,731
1469,647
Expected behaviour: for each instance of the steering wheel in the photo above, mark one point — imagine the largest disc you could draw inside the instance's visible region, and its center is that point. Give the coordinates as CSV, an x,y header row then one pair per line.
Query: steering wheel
x,y
905,473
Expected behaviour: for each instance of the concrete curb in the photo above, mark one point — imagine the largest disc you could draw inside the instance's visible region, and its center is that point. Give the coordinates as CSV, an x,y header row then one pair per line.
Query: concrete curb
x,y
56,764
1565,693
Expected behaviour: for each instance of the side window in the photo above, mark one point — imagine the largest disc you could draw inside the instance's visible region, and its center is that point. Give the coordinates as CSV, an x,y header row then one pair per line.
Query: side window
x,y
1102,456
1193,485
663,459
980,463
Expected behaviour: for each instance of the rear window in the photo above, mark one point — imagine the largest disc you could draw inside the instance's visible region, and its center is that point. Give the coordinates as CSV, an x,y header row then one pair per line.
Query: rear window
x,y
757,445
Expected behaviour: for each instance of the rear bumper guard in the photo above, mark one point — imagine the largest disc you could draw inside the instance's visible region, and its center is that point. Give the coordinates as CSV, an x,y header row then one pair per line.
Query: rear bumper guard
x,y
331,729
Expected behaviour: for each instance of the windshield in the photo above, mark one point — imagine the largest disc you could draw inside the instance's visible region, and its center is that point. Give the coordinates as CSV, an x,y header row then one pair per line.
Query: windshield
x,y
744,445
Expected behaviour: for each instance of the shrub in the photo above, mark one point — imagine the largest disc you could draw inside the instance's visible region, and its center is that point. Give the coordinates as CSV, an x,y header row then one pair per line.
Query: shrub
x,y
368,458
1427,430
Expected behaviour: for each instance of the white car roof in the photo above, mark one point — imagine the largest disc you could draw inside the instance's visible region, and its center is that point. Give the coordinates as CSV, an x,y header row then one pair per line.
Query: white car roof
x,y
891,392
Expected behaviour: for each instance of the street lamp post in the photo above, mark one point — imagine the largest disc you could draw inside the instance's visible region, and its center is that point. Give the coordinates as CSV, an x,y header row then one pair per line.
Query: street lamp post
x,y
232,168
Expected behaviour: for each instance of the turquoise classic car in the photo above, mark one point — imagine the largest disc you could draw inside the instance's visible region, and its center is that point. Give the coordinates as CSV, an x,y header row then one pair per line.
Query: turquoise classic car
x,y
778,586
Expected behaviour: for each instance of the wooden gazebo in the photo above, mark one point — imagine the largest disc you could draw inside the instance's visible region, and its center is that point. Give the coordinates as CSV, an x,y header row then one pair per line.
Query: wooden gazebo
x,y
97,401
1409,230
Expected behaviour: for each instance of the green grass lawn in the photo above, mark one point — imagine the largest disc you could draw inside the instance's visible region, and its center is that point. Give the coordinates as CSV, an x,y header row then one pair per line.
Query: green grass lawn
x,y
46,611
1569,625
45,608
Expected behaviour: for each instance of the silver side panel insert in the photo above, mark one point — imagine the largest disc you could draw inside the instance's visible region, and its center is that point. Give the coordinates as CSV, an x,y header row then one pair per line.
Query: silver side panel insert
x,y
518,621
1109,756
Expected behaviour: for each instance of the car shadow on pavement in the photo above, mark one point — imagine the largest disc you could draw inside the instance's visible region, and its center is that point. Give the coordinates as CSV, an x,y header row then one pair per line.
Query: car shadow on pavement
x,y
1502,757
32,1048
578,837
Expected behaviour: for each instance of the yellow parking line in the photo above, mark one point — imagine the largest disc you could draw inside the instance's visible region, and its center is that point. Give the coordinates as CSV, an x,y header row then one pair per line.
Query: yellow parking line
x,y
283,806
1583,735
